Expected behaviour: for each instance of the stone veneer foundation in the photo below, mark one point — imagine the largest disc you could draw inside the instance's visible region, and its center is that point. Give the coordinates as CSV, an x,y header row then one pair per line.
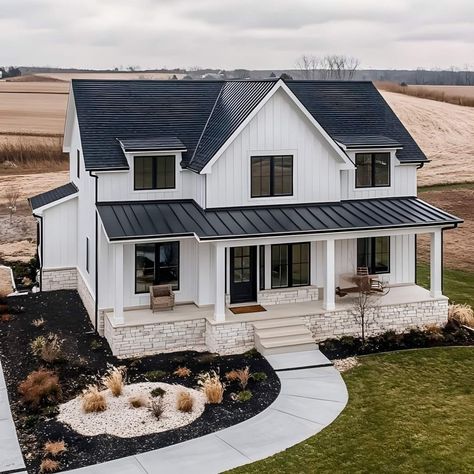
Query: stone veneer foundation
x,y
285,295
59,279
234,337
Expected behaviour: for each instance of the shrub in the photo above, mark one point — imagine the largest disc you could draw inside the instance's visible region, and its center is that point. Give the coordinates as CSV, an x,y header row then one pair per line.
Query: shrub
x,y
37,323
259,376
47,348
95,344
137,401
157,392
40,386
184,401
251,353
93,401
54,448
461,313
232,375
155,375
212,387
182,372
113,380
30,421
156,407
244,396
49,465
242,375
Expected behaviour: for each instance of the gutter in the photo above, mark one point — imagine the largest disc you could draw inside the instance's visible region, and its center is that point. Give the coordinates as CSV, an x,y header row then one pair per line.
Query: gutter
x,y
96,256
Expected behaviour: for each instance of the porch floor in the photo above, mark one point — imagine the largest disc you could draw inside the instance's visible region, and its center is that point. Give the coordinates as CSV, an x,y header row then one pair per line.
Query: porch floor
x,y
184,312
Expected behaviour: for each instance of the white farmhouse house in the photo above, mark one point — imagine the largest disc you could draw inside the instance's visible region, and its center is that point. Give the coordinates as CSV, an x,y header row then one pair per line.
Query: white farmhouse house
x,y
263,193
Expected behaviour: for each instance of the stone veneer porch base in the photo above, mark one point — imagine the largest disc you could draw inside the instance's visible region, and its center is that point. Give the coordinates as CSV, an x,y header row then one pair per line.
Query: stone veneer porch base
x,y
231,337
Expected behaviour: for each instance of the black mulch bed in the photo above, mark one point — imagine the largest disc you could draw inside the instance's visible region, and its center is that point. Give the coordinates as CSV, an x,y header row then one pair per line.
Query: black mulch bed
x,y
453,334
86,356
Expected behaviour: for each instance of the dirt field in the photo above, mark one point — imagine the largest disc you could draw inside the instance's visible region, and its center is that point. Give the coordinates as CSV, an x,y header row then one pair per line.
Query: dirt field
x,y
445,132
458,243
18,234
463,91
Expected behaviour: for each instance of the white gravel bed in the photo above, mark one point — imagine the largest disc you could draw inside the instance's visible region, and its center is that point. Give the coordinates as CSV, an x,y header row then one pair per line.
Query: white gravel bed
x,y
122,420
345,364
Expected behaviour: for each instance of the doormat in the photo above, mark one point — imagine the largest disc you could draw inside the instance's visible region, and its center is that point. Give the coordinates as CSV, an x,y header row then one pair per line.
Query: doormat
x,y
256,308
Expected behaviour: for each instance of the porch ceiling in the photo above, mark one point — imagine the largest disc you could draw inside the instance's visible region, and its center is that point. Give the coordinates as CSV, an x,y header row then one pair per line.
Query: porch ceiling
x,y
174,218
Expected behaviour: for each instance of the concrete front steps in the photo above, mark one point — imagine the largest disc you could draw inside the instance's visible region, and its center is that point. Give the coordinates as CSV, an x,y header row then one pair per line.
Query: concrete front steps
x,y
278,336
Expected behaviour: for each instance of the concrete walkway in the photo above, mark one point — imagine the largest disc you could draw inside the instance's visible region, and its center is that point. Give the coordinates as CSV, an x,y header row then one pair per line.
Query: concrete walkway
x,y
312,395
11,459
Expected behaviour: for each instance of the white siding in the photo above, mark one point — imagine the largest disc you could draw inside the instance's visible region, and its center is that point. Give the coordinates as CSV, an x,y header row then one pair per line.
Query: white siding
x,y
402,259
118,186
403,183
60,235
280,128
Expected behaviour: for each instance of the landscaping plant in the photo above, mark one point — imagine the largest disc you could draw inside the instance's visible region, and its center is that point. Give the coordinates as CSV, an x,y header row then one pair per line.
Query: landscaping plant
x,y
182,372
461,313
184,401
40,386
93,401
54,448
155,375
158,392
259,376
49,465
244,396
156,407
37,323
113,380
212,387
48,348
137,401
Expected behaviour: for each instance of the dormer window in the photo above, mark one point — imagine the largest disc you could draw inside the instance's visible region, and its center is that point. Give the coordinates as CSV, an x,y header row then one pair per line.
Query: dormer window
x,y
271,176
154,172
372,170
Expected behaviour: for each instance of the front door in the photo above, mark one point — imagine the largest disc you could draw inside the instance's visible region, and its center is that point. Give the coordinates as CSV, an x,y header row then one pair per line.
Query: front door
x,y
243,274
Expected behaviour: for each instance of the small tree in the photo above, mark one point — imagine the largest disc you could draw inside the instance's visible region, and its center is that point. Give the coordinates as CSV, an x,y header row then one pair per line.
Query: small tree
x,y
366,304
12,197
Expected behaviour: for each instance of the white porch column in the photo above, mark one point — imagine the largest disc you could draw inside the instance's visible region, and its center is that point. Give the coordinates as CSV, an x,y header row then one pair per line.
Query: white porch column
x,y
219,275
118,301
436,263
329,302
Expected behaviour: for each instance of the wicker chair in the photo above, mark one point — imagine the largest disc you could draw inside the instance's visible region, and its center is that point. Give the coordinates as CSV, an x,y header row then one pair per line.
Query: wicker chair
x,y
161,298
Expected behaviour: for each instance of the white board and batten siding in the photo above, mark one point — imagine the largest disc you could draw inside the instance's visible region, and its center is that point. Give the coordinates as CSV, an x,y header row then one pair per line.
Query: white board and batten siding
x,y
279,128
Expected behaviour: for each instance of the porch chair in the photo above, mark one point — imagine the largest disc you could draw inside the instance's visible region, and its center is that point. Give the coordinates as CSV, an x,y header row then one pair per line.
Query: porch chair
x,y
370,282
161,298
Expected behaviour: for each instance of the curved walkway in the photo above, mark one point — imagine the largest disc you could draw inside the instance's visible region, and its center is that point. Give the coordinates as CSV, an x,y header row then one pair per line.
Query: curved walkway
x,y
312,395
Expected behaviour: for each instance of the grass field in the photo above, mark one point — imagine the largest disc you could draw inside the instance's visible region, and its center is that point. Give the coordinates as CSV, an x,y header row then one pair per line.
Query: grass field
x,y
408,412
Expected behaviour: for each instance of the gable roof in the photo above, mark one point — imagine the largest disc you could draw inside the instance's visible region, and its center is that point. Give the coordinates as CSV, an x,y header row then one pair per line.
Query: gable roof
x,y
53,195
151,219
203,115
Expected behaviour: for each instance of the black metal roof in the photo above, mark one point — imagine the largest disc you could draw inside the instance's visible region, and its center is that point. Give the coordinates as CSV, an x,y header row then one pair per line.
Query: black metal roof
x,y
151,144
55,194
150,219
367,141
204,114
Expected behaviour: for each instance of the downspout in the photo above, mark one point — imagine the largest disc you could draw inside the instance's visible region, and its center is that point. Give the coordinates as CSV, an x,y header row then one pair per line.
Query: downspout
x,y
39,235
96,263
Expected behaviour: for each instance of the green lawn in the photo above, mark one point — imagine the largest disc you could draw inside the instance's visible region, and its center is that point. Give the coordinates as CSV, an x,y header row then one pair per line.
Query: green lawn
x,y
408,412
458,284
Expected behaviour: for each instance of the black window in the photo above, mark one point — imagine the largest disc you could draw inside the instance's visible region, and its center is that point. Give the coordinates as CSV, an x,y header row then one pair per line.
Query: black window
x,y
372,170
272,176
290,265
374,253
87,254
78,163
155,172
156,264
261,263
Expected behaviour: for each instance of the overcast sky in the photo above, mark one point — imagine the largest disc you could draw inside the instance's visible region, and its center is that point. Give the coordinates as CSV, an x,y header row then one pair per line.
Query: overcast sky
x,y
254,34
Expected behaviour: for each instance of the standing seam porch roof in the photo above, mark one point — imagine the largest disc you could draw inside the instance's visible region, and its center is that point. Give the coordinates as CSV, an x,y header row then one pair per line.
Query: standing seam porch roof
x,y
202,115
158,219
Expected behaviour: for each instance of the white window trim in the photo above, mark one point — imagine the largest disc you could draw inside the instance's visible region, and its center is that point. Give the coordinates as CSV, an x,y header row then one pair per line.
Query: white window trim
x,y
177,181
271,199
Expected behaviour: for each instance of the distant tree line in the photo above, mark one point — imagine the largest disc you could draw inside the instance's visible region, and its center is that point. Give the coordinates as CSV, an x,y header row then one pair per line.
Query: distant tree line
x,y
10,71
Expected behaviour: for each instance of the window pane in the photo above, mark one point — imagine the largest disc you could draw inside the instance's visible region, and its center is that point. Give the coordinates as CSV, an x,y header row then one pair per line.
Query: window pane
x,y
300,264
363,169
143,170
279,266
363,253
382,169
382,255
262,266
168,264
144,267
260,179
165,172
282,175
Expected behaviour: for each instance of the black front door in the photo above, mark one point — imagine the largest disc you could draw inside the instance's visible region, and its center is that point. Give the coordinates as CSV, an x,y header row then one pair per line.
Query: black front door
x,y
243,274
